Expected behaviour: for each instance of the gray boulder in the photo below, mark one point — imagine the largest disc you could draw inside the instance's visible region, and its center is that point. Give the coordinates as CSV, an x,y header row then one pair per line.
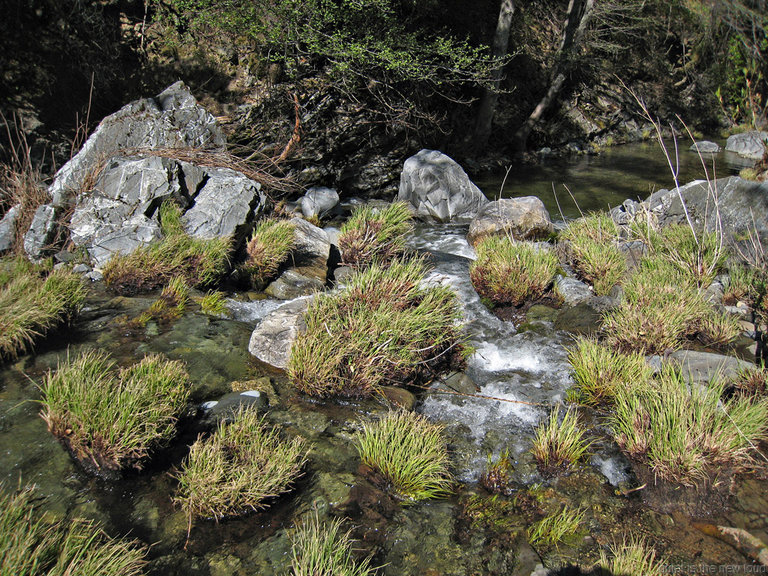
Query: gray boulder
x,y
292,284
747,144
225,204
439,189
172,119
705,147
272,339
120,214
311,250
318,200
739,206
704,367
8,228
523,218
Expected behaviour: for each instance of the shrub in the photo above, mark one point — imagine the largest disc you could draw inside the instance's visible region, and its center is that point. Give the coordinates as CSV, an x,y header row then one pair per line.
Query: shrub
x,y
632,556
199,262
384,327
375,234
31,305
591,247
555,528
409,452
510,272
268,249
660,307
559,444
114,421
324,550
31,547
238,468
686,434
599,371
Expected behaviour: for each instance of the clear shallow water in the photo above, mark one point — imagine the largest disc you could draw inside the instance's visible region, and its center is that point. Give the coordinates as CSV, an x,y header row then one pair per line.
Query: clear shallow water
x,y
600,182
519,374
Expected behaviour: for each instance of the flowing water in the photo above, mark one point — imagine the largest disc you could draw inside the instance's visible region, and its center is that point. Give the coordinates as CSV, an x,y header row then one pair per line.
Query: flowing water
x,y
513,377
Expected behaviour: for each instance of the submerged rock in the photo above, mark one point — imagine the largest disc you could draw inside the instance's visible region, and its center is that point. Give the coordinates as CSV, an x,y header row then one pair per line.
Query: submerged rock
x,y
705,147
438,188
522,218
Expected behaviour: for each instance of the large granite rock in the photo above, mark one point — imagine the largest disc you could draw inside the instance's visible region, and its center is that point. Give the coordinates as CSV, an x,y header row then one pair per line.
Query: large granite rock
x,y
750,145
120,214
739,206
522,218
705,367
272,339
172,119
439,189
8,228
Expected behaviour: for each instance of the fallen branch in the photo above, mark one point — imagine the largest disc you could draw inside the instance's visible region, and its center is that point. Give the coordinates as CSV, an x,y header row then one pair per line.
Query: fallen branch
x,y
749,545
296,136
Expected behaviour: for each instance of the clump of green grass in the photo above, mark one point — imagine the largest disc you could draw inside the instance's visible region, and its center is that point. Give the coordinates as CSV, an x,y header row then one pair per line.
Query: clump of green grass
x,y
511,272
31,547
661,306
268,249
383,328
322,549
32,303
171,304
698,256
409,452
686,434
632,556
114,420
718,329
214,303
199,262
750,383
591,247
238,469
559,444
552,530
599,371
745,283
375,234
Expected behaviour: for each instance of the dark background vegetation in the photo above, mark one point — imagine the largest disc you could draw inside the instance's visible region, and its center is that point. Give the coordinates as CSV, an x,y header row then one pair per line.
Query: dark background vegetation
x,y
379,79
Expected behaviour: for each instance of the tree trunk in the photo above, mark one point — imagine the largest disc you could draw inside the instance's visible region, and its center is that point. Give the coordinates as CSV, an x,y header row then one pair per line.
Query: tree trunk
x,y
490,95
577,20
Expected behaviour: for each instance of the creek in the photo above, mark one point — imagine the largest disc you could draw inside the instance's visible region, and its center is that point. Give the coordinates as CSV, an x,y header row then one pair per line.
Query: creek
x,y
516,374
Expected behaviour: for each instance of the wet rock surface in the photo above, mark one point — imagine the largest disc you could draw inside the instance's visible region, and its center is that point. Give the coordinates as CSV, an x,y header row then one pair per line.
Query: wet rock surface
x,y
521,218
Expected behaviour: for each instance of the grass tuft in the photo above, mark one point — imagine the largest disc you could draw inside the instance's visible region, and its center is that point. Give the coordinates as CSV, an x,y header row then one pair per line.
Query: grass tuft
x,y
591,247
238,468
113,421
31,547
497,477
599,371
214,303
375,234
686,434
382,328
661,306
324,550
199,262
409,452
510,272
552,530
558,445
630,557
268,249
31,304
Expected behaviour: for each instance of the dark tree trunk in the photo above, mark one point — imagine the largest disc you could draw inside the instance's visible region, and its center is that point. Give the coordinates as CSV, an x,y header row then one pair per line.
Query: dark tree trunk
x,y
490,95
